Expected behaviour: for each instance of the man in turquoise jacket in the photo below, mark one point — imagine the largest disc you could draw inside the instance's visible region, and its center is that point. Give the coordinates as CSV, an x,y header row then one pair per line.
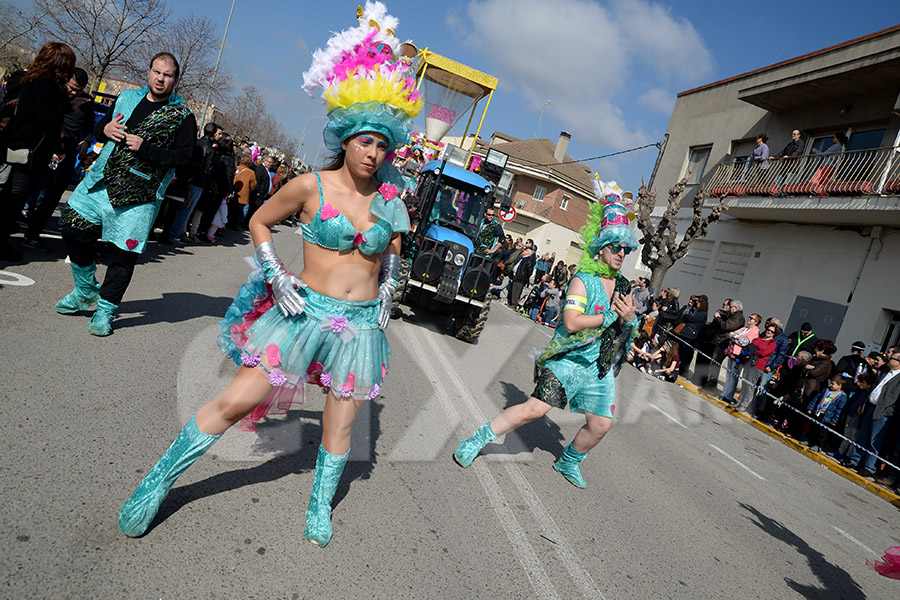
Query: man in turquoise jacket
x,y
147,133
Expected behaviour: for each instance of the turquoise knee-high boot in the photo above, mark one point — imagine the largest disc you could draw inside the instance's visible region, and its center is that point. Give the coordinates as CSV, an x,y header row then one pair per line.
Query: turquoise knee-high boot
x,y
86,292
101,322
318,514
568,466
468,449
139,510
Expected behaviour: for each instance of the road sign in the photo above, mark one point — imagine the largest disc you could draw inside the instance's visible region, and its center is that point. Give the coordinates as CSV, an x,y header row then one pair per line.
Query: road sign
x,y
506,217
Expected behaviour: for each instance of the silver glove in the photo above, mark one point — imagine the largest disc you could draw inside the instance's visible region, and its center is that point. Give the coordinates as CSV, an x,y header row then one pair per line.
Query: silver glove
x,y
284,285
387,285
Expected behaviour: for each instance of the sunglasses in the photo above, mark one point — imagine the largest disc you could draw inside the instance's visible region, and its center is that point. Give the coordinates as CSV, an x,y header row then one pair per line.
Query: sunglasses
x,y
616,248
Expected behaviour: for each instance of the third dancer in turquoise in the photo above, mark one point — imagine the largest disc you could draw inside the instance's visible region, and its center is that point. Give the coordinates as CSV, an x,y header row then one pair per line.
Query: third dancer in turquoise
x,y
578,366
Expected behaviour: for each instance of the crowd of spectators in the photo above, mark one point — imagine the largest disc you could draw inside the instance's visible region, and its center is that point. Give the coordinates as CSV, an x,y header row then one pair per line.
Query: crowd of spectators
x,y
788,380
48,119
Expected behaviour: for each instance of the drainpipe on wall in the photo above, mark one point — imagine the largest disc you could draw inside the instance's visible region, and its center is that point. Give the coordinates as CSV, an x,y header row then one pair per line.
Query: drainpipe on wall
x,y
876,235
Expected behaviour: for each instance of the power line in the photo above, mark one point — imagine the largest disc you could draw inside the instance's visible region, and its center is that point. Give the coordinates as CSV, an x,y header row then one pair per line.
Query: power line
x,y
569,162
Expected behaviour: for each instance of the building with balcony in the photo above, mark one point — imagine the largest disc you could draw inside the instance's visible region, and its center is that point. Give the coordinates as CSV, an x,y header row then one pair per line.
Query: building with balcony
x,y
551,192
814,237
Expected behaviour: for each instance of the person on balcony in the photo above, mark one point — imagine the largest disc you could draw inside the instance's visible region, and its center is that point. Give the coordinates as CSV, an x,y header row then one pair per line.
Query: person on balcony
x,y
832,157
794,147
760,155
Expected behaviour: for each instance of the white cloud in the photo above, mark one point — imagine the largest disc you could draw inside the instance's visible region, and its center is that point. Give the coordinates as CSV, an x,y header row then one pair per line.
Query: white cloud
x,y
582,54
657,100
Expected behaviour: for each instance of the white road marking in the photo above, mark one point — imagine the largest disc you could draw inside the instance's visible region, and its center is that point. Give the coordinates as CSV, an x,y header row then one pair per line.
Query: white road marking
x,y
540,582
540,514
856,541
10,278
737,462
667,415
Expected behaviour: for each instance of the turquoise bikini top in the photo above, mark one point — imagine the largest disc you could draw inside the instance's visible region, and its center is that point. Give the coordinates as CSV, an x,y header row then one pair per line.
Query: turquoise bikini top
x,y
330,229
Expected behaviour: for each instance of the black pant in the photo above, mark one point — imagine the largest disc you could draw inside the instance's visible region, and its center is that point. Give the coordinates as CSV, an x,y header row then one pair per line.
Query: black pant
x,y
685,356
81,245
57,184
21,182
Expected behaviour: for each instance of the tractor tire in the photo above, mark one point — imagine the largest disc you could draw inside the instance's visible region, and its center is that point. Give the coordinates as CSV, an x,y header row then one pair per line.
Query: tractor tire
x,y
402,281
470,323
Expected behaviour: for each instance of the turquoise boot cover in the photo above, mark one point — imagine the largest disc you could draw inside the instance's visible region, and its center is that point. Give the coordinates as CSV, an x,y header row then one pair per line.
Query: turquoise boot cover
x,y
568,466
101,322
318,514
86,292
468,449
138,511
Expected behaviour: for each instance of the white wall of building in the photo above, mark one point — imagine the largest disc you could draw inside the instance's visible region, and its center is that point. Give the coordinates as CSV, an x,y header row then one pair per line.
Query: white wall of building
x,y
818,262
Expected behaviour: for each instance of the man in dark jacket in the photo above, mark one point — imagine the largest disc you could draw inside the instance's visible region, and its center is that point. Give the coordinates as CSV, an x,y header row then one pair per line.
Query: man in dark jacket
x,y
802,341
519,274
199,175
852,366
794,147
879,408
263,186
724,322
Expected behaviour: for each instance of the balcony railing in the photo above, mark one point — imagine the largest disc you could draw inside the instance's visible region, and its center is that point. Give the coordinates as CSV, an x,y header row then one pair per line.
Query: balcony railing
x,y
868,172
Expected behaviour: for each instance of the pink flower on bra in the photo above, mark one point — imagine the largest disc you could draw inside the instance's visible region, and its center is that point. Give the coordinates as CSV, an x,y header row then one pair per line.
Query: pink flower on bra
x,y
598,309
388,191
359,238
329,212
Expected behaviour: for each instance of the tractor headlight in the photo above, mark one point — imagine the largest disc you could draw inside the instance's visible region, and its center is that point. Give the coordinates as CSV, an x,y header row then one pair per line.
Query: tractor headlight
x,y
459,260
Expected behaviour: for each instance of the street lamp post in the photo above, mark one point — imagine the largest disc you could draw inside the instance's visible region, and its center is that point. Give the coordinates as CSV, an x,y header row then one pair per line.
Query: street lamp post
x,y
316,159
303,135
216,69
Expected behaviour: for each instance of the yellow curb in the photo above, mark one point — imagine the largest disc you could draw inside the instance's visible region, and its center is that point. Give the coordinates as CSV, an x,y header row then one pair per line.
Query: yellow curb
x,y
822,459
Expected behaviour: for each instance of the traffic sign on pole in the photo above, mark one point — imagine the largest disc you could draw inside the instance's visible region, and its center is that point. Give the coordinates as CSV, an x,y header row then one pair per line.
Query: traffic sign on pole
x,y
506,217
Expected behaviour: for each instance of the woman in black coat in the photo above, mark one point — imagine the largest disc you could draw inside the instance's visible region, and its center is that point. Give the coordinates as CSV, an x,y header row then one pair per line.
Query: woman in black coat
x,y
36,127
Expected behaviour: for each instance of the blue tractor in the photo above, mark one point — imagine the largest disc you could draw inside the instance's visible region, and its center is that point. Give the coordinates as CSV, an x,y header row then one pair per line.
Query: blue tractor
x,y
439,268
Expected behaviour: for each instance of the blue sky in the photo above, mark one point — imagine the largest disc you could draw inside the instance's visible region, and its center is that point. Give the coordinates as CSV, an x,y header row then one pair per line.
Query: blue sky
x,y
610,68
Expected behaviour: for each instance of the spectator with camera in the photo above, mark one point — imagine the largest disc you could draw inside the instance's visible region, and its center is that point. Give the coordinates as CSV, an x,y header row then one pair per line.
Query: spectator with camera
x,y
735,354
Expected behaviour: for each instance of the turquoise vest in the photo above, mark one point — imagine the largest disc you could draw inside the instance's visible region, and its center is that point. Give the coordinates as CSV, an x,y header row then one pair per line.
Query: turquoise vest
x,y
131,181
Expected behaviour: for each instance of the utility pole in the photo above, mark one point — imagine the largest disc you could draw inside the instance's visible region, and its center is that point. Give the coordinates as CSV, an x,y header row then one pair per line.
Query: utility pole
x,y
541,118
216,69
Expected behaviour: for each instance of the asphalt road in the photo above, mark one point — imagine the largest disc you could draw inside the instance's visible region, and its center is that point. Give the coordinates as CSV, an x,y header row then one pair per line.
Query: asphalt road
x,y
683,501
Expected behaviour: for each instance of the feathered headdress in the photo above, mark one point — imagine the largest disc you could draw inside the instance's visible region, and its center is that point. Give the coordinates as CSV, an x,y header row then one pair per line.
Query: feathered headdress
x,y
609,222
364,85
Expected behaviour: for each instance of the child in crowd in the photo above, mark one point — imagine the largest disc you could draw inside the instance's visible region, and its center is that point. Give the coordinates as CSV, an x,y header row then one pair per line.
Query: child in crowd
x,y
639,351
667,363
826,407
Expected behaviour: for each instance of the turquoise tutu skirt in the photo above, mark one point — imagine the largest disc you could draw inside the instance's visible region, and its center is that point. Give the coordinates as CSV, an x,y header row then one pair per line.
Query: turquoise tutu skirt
x,y
335,344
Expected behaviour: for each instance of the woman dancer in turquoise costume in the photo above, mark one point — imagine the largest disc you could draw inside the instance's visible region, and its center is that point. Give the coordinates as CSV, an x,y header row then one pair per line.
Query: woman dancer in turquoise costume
x,y
326,325
579,365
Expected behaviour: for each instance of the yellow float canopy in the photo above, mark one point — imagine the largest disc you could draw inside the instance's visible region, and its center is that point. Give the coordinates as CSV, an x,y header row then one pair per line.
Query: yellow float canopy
x,y
449,89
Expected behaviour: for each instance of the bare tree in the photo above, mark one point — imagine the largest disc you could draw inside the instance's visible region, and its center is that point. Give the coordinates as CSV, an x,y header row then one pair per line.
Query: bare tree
x,y
660,246
193,40
246,112
105,34
18,35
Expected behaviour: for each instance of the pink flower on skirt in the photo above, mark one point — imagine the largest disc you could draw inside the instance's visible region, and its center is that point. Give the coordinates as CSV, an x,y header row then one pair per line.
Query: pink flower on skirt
x,y
347,390
376,389
273,355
